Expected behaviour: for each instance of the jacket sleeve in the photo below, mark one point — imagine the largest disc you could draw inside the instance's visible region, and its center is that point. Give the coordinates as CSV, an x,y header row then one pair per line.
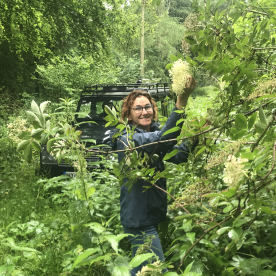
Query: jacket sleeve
x,y
145,138
185,149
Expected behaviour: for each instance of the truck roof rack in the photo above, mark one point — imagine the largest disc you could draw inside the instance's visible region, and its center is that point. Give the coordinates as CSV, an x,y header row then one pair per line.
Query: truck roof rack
x,y
119,91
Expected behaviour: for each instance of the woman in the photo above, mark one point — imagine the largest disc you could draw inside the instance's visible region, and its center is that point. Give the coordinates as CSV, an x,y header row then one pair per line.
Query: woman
x,y
141,210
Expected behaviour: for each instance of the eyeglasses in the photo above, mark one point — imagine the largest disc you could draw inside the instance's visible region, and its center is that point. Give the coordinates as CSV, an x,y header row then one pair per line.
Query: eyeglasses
x,y
139,109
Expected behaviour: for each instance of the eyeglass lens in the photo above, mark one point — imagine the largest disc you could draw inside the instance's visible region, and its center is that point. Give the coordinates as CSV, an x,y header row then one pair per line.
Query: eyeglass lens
x,y
139,109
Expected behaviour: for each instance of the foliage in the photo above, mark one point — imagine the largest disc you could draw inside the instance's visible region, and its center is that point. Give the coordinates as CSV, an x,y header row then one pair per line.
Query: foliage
x,y
212,228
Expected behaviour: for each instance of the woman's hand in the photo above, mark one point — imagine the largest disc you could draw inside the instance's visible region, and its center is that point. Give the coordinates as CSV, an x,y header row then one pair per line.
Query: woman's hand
x,y
183,98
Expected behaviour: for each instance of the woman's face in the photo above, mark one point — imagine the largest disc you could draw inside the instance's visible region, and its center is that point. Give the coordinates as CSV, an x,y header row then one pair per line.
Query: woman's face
x,y
144,118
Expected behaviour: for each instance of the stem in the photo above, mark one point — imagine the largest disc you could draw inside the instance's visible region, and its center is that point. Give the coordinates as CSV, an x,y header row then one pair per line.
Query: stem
x,y
195,243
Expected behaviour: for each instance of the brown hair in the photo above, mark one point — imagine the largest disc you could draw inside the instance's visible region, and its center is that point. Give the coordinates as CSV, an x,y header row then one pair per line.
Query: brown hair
x,y
128,102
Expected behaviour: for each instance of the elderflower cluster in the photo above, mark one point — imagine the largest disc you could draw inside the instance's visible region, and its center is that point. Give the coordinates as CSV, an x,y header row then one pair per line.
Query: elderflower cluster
x,y
222,155
179,72
16,127
264,88
234,170
147,271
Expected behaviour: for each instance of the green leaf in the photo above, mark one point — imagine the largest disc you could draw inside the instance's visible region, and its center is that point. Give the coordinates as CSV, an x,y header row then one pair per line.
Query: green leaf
x,y
235,233
96,227
248,155
219,3
266,273
35,107
137,260
171,130
31,116
223,230
231,192
43,106
25,135
50,143
84,255
28,153
36,145
13,246
114,240
245,40
211,195
240,222
267,210
228,208
191,237
240,122
169,66
173,58
120,271
240,134
262,116
188,268
234,14
201,150
170,154
109,112
170,274
23,144
36,133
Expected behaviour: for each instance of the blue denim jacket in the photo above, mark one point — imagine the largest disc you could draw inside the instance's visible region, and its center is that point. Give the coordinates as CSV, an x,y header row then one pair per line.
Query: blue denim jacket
x,y
140,208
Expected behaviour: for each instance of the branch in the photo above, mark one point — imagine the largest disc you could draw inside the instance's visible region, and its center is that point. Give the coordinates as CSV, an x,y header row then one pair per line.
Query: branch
x,y
195,243
228,141
263,13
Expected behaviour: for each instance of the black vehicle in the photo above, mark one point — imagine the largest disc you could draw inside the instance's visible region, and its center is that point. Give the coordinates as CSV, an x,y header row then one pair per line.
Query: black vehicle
x,y
91,103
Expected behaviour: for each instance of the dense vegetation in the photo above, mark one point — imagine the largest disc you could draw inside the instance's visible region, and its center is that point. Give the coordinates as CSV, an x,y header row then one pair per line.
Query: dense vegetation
x,y
221,218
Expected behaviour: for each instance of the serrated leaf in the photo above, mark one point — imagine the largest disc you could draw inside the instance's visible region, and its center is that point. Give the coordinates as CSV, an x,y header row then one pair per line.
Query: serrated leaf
x,y
23,144
36,145
191,237
235,233
170,154
120,271
84,255
262,116
171,130
137,260
35,107
96,227
25,135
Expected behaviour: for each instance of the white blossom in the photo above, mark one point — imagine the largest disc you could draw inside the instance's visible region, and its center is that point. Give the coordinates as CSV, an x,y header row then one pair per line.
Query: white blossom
x,y
179,72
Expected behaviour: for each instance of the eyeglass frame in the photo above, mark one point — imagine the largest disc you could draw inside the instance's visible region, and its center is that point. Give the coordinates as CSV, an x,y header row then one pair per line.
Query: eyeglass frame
x,y
143,107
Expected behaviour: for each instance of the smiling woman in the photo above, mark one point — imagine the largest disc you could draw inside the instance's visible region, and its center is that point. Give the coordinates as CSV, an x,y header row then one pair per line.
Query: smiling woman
x,y
146,205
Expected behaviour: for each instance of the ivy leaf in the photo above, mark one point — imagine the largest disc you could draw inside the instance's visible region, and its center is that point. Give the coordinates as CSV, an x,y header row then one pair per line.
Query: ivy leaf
x,y
84,255
240,122
170,154
262,116
137,260
235,233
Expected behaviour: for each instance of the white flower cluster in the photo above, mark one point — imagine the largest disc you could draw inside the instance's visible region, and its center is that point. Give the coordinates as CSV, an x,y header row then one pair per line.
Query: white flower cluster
x,y
16,127
179,73
146,271
234,170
